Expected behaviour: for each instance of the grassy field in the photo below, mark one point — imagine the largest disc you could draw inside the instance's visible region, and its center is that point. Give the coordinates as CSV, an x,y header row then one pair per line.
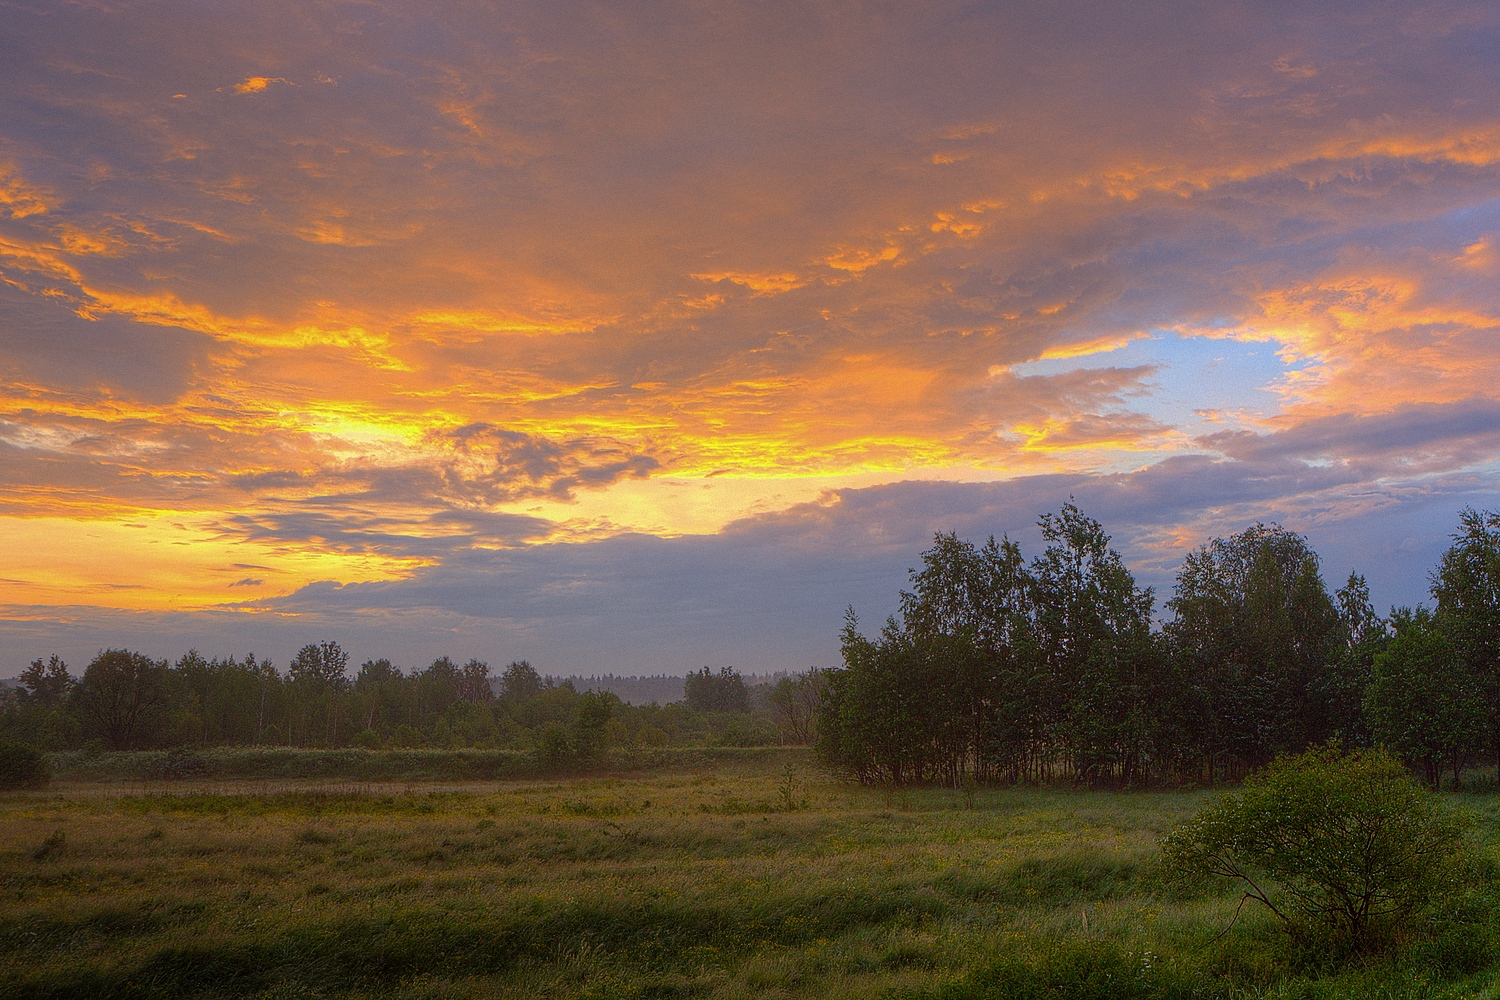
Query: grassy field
x,y
716,878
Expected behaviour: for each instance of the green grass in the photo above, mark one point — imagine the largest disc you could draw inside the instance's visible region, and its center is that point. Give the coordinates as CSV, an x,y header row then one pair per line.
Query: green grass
x,y
694,880
352,764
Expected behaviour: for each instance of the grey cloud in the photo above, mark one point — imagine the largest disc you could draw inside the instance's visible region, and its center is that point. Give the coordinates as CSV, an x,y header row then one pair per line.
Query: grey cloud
x,y
769,591
1416,437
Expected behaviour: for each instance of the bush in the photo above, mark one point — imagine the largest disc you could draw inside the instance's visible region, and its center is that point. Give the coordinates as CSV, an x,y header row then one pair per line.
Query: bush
x,y
22,767
554,746
650,736
1344,849
176,765
406,737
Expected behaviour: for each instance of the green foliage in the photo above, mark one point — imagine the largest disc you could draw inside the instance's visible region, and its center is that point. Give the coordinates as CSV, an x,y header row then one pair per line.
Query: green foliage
x,y
320,666
1255,630
49,683
122,698
1422,701
1000,670
1344,849
22,767
706,691
594,711
520,682
1467,588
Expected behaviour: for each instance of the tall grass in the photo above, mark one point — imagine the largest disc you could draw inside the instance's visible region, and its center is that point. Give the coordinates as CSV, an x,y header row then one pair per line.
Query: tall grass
x,y
703,880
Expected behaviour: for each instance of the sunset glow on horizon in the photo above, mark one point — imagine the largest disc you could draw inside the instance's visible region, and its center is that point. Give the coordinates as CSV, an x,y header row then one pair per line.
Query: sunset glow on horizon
x,y
631,340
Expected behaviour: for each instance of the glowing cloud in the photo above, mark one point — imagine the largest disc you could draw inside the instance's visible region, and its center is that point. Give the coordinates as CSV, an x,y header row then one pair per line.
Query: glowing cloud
x,y
438,292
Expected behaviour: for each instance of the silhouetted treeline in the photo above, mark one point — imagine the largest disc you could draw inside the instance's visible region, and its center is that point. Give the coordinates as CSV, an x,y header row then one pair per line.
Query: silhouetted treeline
x,y
997,669
125,700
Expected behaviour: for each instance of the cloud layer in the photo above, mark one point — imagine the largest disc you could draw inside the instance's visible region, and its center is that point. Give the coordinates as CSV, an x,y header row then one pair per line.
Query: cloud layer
x,y
695,312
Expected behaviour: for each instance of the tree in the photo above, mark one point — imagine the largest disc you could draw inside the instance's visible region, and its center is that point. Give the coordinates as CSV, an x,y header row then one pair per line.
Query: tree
x,y
320,667
1094,630
520,682
1467,588
971,613
1343,686
376,672
875,718
1422,701
49,683
474,682
122,698
594,711
795,701
725,691
1344,849
1255,631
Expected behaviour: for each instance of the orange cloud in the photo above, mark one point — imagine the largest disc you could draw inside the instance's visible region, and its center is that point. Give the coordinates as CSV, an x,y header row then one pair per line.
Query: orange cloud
x,y
256,84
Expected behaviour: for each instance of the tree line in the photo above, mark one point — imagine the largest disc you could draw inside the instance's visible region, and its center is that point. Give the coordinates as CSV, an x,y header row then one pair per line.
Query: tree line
x,y
125,700
997,669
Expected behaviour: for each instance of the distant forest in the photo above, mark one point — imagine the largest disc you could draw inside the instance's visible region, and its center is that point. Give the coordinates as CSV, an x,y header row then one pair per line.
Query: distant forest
x,y
663,689
125,700
995,670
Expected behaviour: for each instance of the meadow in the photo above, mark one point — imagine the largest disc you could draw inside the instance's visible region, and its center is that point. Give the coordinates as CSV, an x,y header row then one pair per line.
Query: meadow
x,y
723,875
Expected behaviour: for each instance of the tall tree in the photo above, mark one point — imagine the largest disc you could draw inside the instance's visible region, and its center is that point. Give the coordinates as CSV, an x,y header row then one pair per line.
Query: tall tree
x,y
520,682
319,667
1423,702
47,683
725,691
1255,631
1094,628
474,682
971,617
1467,588
1364,635
122,698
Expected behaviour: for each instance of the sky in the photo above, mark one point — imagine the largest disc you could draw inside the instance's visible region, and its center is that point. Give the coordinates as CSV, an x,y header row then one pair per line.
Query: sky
x,y
636,338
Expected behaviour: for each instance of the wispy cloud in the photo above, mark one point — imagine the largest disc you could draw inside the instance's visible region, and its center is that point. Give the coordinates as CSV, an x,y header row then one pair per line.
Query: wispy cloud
x,y
408,286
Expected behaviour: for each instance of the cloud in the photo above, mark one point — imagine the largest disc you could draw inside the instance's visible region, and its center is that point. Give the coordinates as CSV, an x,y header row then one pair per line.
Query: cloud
x,y
256,84
548,276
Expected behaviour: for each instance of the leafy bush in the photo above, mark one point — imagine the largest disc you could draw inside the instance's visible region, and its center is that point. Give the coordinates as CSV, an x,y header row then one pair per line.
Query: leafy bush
x,y
176,765
22,767
1344,849
406,737
652,736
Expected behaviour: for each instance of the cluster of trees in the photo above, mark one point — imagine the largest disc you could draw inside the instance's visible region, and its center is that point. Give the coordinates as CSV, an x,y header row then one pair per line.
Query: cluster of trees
x,y
125,700
1001,670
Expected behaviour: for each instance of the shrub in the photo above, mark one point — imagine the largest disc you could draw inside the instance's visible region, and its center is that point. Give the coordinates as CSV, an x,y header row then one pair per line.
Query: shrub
x,y
22,767
369,739
554,746
406,737
176,765
650,736
1344,849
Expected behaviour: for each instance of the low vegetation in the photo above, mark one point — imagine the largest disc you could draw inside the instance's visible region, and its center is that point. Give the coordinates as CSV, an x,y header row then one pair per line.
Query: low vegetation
x,y
22,766
737,874
219,828
1342,848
